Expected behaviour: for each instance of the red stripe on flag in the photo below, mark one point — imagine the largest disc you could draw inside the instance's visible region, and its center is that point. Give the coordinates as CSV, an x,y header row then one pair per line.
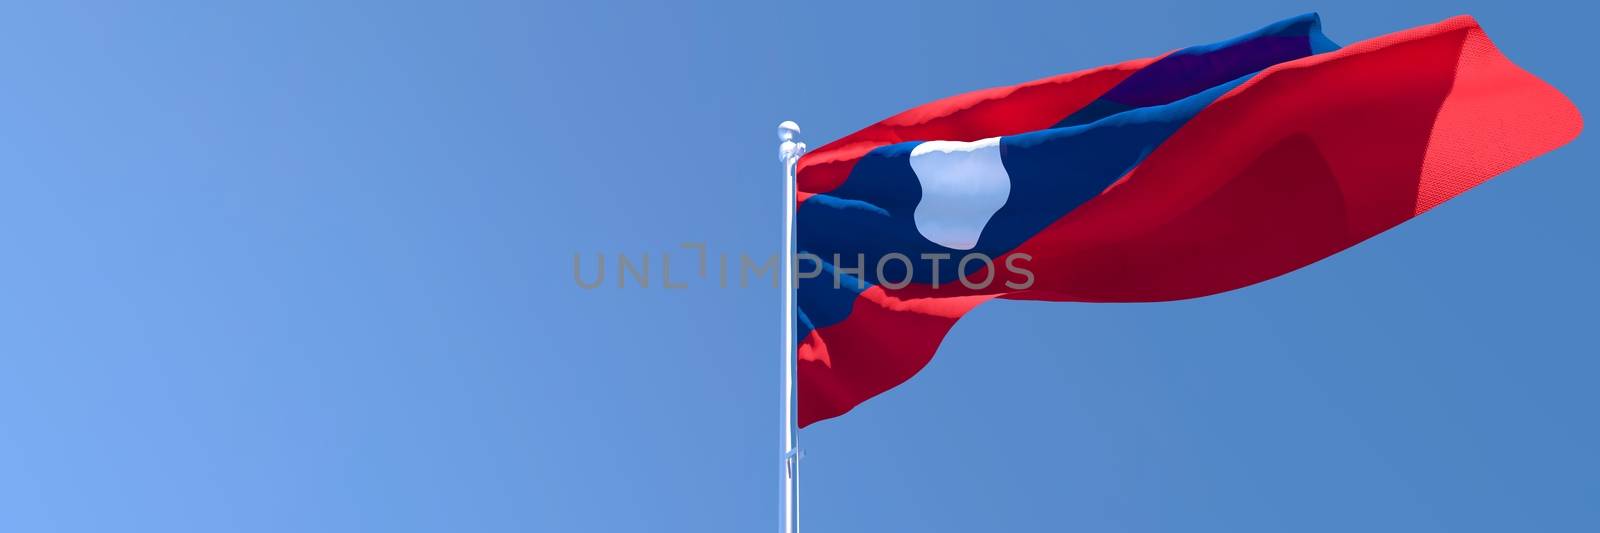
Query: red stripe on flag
x,y
885,341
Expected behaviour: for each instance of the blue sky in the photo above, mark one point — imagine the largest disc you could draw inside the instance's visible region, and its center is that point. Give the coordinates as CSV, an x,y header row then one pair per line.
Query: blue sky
x,y
304,266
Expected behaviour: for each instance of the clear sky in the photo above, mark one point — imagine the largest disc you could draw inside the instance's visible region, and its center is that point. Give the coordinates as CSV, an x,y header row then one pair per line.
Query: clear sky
x,y
306,266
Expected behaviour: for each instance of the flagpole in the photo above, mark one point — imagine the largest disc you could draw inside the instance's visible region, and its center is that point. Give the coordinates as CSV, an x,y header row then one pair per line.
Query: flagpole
x,y
789,152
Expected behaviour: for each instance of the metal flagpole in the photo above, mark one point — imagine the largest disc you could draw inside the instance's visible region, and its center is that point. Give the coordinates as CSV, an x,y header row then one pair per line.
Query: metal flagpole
x,y
789,152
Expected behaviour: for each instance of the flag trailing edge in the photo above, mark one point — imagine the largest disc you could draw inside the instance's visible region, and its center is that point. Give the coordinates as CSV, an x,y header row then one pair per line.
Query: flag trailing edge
x,y
1197,172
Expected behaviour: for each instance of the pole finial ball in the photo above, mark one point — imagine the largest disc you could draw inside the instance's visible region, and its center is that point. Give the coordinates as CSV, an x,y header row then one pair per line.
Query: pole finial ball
x,y
788,130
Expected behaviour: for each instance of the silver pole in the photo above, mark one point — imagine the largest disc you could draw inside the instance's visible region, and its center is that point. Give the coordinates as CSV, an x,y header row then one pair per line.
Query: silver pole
x,y
789,152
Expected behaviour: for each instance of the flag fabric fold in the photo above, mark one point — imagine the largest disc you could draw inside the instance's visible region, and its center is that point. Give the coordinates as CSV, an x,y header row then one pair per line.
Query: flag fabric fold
x,y
1197,172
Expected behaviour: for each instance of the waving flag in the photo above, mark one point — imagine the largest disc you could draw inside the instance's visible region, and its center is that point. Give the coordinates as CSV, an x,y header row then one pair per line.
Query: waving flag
x,y
1200,171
